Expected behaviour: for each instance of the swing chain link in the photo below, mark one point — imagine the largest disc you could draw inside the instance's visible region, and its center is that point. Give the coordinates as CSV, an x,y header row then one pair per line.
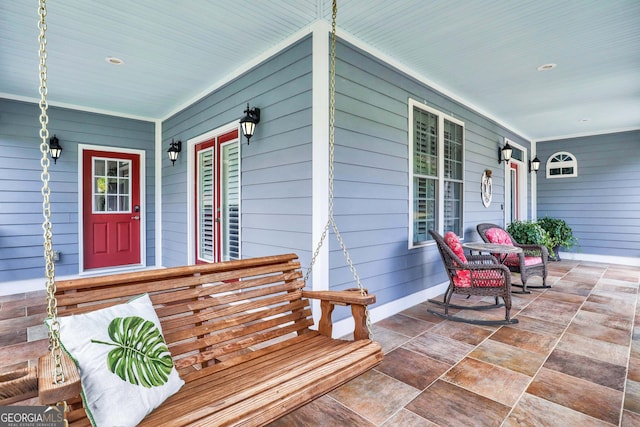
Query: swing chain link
x,y
52,309
331,221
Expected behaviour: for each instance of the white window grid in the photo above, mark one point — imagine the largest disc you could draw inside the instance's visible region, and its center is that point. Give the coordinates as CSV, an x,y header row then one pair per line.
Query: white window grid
x,y
562,165
436,174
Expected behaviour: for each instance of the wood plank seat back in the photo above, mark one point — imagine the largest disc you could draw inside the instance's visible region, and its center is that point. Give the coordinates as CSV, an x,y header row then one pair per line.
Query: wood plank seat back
x,y
230,306
239,334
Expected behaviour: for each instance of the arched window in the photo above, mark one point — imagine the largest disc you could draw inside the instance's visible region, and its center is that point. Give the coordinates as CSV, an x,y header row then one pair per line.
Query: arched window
x,y
562,165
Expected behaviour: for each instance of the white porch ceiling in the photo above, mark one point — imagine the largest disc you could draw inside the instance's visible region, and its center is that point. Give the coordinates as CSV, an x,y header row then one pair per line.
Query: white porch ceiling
x,y
482,52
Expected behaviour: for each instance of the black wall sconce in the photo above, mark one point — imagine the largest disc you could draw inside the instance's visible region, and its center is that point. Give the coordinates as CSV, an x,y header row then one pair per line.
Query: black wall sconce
x,y
534,165
55,149
173,151
504,153
249,121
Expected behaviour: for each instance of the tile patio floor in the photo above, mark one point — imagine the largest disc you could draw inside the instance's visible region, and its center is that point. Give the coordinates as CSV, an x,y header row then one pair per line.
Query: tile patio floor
x,y
572,360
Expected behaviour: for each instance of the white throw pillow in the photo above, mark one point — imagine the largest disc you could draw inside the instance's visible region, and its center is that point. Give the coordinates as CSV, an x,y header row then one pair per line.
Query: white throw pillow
x,y
125,366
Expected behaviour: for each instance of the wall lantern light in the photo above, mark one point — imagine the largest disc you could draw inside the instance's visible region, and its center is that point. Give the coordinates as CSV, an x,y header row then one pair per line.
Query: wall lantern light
x,y
249,121
173,151
534,165
55,149
504,153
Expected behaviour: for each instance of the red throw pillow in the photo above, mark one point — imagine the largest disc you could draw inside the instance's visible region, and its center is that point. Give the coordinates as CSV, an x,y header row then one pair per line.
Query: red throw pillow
x,y
498,235
462,278
453,242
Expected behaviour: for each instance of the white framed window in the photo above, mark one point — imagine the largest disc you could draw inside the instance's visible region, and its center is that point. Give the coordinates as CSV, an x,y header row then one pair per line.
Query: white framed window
x,y
436,173
562,165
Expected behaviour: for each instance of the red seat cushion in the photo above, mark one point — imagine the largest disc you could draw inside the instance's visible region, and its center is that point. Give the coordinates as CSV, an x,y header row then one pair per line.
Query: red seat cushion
x,y
513,260
462,279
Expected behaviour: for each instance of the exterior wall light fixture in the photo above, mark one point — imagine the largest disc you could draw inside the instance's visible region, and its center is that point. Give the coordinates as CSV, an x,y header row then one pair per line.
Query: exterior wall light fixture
x,y
534,165
55,149
173,151
504,153
249,121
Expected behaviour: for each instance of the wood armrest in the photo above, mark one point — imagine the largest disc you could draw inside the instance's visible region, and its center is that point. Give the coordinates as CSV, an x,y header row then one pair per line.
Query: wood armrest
x,y
346,297
352,297
50,393
18,385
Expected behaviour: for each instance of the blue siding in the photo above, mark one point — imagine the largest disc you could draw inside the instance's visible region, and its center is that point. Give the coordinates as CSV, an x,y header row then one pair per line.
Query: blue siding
x,y
371,188
21,252
601,204
275,168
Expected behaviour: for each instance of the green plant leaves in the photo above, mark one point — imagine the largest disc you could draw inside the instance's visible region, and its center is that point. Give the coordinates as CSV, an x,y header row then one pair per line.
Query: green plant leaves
x,y
550,232
559,232
528,233
141,356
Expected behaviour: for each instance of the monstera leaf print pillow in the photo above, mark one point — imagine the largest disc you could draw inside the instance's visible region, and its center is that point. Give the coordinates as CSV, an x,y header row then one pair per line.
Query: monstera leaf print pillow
x,y
125,366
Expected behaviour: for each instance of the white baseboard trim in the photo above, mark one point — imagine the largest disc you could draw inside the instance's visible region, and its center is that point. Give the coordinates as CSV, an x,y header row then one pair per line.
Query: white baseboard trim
x,y
40,283
20,286
345,327
607,259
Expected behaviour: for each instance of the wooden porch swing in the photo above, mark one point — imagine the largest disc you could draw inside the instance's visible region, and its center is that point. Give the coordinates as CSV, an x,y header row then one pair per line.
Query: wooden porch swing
x,y
238,332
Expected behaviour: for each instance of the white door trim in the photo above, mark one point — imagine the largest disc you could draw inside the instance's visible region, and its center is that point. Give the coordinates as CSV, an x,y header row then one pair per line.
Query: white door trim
x,y
523,172
143,209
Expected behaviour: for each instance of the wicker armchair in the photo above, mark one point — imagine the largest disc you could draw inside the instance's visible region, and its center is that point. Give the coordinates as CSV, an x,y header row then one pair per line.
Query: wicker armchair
x,y
472,275
531,262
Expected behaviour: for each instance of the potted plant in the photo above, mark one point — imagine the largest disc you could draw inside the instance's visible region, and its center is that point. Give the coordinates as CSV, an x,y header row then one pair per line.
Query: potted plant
x,y
560,235
528,233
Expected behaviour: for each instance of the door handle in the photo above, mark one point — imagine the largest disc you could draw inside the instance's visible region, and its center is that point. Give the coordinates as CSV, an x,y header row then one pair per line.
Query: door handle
x,y
136,217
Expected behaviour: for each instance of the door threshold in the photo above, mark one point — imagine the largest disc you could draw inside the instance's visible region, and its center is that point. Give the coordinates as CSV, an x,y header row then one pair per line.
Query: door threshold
x,y
114,270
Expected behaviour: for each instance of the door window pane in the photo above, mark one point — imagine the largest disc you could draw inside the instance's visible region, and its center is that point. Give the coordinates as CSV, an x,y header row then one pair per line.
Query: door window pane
x,y
206,212
111,186
230,202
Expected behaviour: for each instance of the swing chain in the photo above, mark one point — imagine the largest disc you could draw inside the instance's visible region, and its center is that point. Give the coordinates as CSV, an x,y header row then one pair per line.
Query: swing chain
x,y
52,309
331,221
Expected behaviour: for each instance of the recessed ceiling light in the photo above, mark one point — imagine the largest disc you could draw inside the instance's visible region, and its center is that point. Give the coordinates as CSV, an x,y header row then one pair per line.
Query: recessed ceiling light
x,y
547,67
113,60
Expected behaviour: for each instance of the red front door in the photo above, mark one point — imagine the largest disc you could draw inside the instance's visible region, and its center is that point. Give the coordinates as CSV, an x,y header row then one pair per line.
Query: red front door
x,y
111,208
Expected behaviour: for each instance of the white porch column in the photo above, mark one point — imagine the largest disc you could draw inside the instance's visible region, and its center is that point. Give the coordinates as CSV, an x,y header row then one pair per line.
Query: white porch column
x,y
158,187
320,160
